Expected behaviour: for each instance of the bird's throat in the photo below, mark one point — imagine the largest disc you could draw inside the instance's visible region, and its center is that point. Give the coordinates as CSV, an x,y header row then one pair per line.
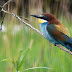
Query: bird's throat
x,y
41,21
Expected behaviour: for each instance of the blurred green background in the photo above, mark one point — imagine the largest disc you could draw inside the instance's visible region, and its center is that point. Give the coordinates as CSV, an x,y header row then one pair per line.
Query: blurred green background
x,y
25,47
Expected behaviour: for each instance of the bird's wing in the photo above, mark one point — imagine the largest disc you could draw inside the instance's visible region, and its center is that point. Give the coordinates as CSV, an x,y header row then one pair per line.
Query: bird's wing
x,y
60,36
57,31
62,29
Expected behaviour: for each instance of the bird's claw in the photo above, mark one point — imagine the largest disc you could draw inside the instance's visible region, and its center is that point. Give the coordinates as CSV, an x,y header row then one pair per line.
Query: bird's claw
x,y
55,44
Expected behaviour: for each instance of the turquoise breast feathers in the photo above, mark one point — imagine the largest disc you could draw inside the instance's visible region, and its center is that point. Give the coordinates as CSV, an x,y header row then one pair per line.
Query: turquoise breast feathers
x,y
45,32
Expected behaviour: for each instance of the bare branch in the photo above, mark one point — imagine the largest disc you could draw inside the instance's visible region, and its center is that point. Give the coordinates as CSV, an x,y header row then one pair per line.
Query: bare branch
x,y
29,25
5,11
64,49
1,7
23,18
6,3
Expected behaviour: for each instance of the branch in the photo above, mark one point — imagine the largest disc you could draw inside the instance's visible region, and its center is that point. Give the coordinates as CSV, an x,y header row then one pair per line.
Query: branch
x,y
6,3
64,49
29,25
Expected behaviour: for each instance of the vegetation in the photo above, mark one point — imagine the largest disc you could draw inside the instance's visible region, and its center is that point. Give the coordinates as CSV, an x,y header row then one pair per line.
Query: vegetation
x,y
22,49
28,49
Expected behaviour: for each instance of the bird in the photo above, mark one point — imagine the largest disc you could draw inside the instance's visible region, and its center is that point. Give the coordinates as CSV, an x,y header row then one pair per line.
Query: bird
x,y
54,31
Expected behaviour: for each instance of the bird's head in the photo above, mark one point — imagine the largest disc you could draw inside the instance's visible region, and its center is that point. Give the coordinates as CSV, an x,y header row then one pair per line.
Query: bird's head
x,y
46,17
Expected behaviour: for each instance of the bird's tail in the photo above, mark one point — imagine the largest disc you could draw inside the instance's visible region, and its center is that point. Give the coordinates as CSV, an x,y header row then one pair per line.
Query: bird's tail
x,y
67,43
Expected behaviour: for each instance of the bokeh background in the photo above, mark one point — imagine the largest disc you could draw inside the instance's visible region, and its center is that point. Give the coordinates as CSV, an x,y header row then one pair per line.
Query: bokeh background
x,y
16,38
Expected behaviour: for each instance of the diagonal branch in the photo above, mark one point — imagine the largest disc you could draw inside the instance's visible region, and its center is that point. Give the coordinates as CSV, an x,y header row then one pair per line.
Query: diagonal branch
x,y
29,25
6,3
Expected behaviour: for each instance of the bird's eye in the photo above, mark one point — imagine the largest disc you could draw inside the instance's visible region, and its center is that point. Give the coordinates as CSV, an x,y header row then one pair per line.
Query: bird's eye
x,y
45,17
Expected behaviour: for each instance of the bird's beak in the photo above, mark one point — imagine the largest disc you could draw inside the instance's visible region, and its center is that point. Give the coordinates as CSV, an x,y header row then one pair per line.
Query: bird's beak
x,y
41,19
37,16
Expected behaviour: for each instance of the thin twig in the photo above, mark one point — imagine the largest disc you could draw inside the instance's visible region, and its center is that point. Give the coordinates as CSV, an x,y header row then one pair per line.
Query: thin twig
x,y
5,11
64,49
24,18
29,25
6,3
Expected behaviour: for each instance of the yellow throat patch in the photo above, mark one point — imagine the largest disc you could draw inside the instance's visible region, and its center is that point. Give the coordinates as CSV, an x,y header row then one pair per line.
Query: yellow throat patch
x,y
41,20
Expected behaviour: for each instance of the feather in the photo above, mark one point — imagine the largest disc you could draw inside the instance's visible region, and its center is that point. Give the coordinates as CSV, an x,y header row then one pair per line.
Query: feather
x,y
60,36
62,29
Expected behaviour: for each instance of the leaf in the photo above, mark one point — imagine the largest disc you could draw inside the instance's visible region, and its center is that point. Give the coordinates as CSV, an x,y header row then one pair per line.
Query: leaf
x,y
23,57
7,60
19,56
37,68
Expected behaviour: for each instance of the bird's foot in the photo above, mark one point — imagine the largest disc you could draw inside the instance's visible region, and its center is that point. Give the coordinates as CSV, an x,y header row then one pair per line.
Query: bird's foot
x,y
55,44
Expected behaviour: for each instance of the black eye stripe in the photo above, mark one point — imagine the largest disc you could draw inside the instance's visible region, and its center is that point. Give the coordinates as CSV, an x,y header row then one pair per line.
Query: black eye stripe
x,y
45,18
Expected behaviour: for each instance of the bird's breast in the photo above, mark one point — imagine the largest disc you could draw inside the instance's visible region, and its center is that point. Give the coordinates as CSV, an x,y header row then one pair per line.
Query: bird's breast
x,y
46,33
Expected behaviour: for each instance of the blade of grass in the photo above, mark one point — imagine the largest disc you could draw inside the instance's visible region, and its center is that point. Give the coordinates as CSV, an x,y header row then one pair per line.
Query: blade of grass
x,y
23,59
6,60
36,68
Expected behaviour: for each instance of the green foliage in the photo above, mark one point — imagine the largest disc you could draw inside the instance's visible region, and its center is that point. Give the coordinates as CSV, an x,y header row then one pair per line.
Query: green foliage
x,y
26,50
21,58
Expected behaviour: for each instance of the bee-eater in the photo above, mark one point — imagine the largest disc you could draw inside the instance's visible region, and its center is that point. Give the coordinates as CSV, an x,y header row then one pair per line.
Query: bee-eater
x,y
54,31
